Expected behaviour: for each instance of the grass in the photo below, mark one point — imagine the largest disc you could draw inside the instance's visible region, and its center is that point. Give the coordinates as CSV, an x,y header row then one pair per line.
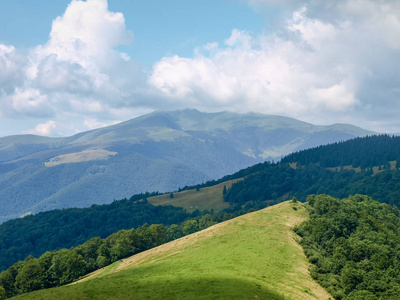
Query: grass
x,y
254,256
206,198
87,155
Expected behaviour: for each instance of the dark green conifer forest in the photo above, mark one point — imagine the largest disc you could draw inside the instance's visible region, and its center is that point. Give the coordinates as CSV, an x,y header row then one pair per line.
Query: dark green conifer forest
x,y
364,152
307,172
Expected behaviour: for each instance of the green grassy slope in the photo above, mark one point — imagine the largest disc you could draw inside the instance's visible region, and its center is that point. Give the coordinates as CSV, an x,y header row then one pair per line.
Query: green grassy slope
x,y
205,198
254,256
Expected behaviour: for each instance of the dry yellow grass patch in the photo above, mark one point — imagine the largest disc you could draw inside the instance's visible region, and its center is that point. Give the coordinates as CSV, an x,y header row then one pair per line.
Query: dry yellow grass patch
x,y
206,198
87,155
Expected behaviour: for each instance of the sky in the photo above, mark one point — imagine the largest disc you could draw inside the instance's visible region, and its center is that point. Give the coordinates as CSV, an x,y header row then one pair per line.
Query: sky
x,y
72,66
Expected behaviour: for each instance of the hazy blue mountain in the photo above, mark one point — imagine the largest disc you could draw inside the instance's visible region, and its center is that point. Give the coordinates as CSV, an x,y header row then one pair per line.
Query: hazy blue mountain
x,y
160,151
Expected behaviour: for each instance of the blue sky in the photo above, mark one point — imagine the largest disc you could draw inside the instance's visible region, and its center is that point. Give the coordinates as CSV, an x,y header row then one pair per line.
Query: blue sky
x,y
160,28
70,66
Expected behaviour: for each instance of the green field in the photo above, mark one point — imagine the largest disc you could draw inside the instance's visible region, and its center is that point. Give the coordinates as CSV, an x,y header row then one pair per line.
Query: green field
x,y
205,198
254,256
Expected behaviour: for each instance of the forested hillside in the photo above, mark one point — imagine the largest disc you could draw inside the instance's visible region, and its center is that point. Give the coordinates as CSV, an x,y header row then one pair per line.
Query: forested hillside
x,y
160,151
297,175
354,245
365,152
264,184
56,268
56,229
306,172
279,182
66,228
254,256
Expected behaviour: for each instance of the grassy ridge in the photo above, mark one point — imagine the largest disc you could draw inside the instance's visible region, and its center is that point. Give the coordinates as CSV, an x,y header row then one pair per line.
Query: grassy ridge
x,y
71,227
254,256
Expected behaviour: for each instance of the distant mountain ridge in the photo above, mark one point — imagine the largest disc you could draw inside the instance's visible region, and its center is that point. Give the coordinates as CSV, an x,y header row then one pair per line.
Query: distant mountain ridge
x,y
160,151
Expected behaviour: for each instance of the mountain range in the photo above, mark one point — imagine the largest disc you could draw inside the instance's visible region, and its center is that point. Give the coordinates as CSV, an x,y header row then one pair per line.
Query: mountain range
x,y
160,151
351,243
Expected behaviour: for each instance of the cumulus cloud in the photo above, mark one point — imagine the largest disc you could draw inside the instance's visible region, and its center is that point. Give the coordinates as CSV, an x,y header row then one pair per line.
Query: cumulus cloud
x,y
78,71
80,56
10,68
29,101
47,128
266,74
320,67
87,33
327,61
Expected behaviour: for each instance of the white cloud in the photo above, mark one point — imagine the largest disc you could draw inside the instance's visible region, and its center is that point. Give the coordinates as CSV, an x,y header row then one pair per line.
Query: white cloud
x,y
81,50
93,123
190,78
314,32
334,98
265,74
55,75
86,34
89,106
6,61
331,61
29,101
10,71
46,129
76,72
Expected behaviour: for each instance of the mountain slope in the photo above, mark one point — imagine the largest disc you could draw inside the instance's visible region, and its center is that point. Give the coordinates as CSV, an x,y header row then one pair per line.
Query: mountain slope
x,y
353,244
258,186
160,151
252,256
56,229
368,166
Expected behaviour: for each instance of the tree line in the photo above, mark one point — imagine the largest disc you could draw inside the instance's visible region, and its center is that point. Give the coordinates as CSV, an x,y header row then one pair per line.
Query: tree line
x,y
305,172
264,184
354,246
65,228
60,267
280,182
363,152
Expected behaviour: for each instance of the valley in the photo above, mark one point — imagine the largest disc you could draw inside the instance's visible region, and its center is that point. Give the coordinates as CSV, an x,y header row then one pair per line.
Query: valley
x,y
161,151
212,150
185,232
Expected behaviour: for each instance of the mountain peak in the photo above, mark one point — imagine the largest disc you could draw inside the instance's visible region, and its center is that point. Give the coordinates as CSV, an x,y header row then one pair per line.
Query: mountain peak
x,y
160,151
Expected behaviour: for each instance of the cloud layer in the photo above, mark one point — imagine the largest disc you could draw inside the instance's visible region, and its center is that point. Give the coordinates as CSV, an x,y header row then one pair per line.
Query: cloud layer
x,y
328,61
321,67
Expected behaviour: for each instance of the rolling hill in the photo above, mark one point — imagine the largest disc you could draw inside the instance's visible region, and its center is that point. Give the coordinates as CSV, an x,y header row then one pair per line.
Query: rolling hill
x,y
56,229
161,151
255,187
255,256
298,174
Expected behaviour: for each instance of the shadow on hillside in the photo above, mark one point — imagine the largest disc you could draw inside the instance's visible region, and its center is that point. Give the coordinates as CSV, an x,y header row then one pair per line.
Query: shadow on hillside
x,y
127,287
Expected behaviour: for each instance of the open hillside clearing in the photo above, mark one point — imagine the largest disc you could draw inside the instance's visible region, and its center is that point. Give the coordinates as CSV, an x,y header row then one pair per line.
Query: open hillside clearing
x,y
254,256
210,198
